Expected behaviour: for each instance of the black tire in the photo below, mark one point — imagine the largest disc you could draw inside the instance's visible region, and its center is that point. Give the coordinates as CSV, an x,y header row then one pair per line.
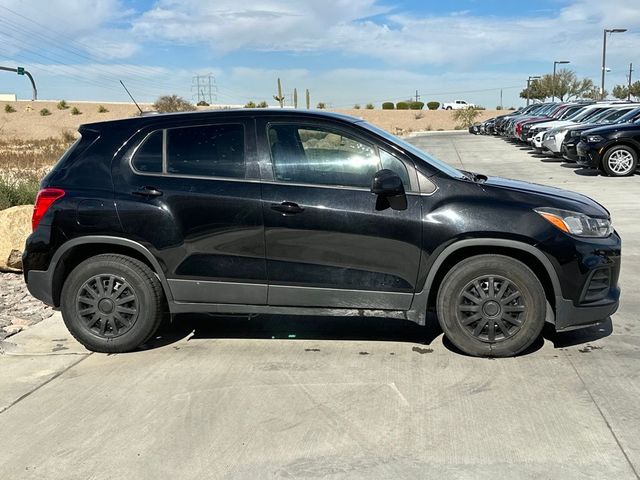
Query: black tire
x,y
619,161
515,313
448,108
124,310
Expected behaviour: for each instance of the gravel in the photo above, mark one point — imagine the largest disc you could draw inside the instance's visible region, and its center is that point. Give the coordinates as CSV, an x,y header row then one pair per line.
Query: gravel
x,y
18,309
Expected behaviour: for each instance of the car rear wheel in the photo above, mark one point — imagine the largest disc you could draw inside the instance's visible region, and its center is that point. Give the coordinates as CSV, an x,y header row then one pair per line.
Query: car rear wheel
x,y
112,303
491,306
620,161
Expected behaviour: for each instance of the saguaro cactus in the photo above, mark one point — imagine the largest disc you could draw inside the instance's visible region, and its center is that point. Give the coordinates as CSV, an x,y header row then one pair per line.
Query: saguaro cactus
x,y
279,98
308,97
295,98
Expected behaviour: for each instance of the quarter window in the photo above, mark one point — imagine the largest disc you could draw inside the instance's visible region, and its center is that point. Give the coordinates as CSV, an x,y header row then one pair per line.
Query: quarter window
x,y
319,156
211,150
148,157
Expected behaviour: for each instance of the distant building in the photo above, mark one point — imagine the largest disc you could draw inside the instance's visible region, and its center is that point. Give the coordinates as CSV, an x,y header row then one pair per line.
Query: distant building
x,y
7,97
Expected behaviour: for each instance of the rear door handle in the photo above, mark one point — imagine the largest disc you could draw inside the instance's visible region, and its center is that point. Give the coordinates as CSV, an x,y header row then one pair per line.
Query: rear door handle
x,y
148,192
287,207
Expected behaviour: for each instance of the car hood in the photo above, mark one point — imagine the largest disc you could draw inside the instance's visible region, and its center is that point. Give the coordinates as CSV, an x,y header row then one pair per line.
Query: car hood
x,y
555,123
545,196
614,128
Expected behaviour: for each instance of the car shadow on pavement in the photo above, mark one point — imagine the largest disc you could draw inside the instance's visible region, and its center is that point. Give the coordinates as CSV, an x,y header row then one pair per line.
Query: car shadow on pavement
x,y
579,336
587,172
202,326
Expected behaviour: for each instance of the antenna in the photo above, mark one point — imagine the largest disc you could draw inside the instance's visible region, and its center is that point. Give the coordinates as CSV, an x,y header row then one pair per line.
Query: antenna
x,y
131,96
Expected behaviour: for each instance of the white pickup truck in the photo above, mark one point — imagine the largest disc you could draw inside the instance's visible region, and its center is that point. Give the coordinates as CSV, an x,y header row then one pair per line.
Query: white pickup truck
x,y
457,105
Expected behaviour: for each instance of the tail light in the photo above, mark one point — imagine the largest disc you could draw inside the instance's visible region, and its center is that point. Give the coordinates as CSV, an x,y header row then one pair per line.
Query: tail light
x,y
44,200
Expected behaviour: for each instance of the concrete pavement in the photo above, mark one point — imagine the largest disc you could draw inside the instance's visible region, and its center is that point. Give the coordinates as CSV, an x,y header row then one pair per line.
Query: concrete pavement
x,y
285,397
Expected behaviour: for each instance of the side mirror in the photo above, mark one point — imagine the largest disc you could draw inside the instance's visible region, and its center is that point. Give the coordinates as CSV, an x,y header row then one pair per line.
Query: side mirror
x,y
387,183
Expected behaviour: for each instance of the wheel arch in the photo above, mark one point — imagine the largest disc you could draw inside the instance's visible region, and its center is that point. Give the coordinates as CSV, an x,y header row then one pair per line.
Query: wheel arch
x,y
531,256
72,253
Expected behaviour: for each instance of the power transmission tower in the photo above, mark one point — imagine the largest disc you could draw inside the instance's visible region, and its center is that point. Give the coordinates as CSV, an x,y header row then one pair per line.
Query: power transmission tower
x,y
204,88
417,96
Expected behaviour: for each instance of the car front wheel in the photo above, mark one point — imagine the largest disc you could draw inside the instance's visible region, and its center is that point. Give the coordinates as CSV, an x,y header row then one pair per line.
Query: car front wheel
x,y
620,161
491,306
112,303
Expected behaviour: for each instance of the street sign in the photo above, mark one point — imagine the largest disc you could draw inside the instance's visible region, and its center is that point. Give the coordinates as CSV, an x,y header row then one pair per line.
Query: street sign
x,y
20,70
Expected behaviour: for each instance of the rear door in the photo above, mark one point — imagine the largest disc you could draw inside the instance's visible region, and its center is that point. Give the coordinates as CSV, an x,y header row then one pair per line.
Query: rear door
x,y
190,193
329,241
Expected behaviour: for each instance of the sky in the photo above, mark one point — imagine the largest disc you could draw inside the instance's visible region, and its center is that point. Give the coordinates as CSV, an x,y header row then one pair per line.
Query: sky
x,y
345,52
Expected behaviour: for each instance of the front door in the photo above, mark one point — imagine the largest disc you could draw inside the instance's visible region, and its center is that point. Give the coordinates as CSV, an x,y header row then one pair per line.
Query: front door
x,y
329,242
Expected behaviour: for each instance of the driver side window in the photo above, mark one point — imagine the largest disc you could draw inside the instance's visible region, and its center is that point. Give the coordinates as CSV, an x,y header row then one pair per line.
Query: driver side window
x,y
314,155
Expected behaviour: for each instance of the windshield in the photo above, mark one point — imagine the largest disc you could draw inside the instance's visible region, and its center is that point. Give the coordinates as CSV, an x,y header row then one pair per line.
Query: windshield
x,y
615,115
630,116
588,112
575,113
568,113
439,164
598,116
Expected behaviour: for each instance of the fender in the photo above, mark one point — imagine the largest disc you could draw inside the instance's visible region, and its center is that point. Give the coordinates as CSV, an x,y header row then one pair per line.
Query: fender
x,y
418,310
46,277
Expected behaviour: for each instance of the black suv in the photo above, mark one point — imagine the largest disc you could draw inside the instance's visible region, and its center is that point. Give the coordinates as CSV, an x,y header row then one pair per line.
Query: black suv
x,y
289,212
613,149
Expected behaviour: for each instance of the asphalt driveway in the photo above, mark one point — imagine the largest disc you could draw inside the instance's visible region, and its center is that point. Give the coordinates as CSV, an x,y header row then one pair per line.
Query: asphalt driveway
x,y
284,397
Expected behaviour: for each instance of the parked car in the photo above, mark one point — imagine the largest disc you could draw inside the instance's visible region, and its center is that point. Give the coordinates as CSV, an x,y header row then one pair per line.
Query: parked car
x,y
553,138
629,114
292,212
613,149
457,105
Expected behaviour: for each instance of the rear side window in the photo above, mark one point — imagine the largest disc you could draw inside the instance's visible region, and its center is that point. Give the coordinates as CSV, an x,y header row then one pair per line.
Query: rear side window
x,y
148,158
211,150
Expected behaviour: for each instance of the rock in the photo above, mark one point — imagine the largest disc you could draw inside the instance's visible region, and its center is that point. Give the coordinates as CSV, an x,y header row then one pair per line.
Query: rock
x,y
13,329
21,321
15,260
15,227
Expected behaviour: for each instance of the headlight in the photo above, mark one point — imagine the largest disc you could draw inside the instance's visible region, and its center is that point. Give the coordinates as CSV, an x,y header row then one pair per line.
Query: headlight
x,y
576,223
594,138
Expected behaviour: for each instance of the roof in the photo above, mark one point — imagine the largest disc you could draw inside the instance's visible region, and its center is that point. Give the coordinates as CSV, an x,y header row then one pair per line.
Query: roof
x,y
150,119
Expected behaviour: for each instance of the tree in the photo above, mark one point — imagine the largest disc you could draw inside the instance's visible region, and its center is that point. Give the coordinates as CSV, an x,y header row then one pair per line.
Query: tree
x,y
621,92
465,116
172,103
565,86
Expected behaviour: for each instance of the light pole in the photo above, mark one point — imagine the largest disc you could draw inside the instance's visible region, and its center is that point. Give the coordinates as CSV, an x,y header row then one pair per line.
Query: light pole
x,y
531,77
553,86
604,54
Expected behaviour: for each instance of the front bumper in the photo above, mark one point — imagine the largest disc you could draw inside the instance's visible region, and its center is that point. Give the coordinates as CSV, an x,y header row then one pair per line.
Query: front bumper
x,y
588,156
588,270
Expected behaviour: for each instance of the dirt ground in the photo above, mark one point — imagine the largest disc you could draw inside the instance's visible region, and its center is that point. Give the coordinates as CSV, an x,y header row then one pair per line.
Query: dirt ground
x,y
26,123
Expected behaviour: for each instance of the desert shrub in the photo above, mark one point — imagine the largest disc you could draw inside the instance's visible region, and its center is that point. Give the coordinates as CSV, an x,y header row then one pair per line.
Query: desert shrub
x,y
19,191
250,104
369,106
433,105
9,108
321,105
45,112
402,106
459,127
418,115
75,111
388,106
173,103
202,103
479,107
62,105
499,107
67,137
512,108
356,106
429,128
102,109
416,105
262,104
465,117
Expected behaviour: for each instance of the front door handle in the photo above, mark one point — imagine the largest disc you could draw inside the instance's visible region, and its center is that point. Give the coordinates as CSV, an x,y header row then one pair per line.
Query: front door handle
x,y
287,207
148,192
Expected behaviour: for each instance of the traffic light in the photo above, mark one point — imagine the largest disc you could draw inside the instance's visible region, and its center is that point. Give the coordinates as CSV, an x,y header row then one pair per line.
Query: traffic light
x,y
20,70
